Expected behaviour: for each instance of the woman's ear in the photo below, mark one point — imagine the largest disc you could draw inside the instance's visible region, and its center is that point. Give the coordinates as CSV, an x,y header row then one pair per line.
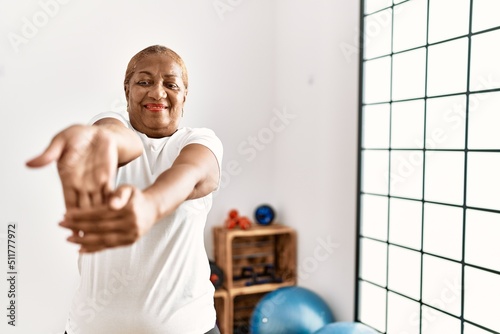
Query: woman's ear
x,y
127,91
126,88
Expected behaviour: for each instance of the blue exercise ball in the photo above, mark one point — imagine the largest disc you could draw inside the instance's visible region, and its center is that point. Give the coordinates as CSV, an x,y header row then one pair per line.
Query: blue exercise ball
x,y
290,310
345,328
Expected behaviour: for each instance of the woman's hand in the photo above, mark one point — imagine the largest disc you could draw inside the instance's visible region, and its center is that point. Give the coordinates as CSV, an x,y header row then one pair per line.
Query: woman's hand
x,y
87,160
129,215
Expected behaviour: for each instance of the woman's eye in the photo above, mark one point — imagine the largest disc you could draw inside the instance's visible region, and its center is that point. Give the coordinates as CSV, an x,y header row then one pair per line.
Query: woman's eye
x,y
171,86
142,82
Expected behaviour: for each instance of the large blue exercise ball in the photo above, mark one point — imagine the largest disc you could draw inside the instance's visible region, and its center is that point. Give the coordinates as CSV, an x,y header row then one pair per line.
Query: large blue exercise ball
x,y
290,310
346,328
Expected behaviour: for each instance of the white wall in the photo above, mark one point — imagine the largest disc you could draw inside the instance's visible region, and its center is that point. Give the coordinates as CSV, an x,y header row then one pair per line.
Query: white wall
x,y
246,64
315,158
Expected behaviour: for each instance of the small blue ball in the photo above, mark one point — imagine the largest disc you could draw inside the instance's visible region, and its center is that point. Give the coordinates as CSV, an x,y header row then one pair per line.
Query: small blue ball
x,y
264,214
345,328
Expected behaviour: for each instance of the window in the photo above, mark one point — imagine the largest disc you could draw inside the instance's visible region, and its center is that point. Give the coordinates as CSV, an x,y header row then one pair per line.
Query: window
x,y
429,171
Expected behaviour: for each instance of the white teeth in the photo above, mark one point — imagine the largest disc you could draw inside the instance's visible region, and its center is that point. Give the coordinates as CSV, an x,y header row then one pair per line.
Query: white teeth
x,y
156,107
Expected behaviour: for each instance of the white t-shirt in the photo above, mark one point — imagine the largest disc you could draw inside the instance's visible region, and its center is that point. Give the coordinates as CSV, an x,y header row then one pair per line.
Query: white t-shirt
x,y
160,284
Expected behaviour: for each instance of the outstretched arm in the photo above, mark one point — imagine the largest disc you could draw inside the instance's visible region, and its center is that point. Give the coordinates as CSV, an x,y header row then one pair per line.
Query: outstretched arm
x,y
194,174
87,158
132,212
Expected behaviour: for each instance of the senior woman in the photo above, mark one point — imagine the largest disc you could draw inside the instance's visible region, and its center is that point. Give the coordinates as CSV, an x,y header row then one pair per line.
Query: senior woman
x,y
137,195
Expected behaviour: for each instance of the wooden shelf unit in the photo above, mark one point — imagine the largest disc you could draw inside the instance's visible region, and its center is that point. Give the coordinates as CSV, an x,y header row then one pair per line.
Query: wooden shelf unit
x,y
273,247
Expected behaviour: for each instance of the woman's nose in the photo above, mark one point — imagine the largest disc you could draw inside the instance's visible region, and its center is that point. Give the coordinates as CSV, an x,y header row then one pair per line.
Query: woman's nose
x,y
157,92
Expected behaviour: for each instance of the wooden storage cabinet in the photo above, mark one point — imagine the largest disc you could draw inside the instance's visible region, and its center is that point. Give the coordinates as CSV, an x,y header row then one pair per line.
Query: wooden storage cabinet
x,y
255,262
243,306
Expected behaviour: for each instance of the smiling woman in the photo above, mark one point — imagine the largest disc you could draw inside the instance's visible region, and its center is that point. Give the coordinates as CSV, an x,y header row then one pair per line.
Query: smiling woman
x,y
143,263
156,89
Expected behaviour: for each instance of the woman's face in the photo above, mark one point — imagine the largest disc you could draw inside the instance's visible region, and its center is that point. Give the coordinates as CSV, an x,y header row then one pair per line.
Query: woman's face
x,y
156,95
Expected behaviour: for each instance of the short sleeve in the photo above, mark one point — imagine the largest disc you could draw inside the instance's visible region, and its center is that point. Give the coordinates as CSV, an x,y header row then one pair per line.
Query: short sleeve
x,y
110,114
207,138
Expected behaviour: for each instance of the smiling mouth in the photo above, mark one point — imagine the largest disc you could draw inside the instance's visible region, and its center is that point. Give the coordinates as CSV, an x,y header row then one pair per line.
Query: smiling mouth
x,y
155,107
